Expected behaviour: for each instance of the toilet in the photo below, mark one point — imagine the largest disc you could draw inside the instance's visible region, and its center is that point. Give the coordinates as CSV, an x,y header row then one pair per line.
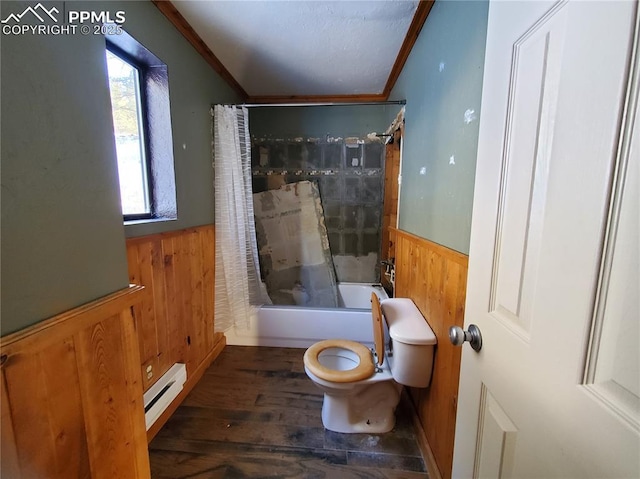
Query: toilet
x,y
362,386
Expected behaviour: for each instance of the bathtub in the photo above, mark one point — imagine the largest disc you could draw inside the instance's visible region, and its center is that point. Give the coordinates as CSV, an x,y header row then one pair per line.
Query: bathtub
x,y
300,327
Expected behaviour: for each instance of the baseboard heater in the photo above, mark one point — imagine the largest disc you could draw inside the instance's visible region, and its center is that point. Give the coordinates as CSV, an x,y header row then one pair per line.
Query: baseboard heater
x,y
165,390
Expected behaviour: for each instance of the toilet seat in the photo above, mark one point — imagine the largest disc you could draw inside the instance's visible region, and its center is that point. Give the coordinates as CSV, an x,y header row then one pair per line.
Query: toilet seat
x,y
363,370
365,367
378,328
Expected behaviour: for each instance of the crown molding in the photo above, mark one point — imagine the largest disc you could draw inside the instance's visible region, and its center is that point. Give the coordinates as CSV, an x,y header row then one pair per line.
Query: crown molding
x,y
422,12
420,16
175,17
366,97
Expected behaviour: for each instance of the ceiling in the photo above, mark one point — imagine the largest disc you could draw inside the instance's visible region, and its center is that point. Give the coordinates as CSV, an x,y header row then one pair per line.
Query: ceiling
x,y
300,49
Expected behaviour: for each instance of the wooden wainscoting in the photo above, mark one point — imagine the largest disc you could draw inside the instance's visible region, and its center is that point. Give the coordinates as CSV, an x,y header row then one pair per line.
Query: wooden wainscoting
x,y
72,395
390,202
435,278
391,188
175,320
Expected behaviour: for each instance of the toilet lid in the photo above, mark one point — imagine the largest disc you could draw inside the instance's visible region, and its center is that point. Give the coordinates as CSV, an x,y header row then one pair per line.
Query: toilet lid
x,y
378,331
363,370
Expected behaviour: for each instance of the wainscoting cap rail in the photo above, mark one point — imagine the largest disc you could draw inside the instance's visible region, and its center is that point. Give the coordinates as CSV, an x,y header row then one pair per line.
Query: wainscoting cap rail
x,y
94,311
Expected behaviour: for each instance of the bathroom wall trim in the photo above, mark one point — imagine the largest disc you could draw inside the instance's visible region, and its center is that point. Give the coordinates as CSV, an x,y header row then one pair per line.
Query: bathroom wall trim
x,y
168,234
55,378
419,18
451,254
175,320
422,12
423,444
435,278
175,17
283,99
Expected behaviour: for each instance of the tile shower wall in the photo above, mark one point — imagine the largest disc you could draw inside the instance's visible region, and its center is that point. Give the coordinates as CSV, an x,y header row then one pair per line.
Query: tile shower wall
x,y
350,175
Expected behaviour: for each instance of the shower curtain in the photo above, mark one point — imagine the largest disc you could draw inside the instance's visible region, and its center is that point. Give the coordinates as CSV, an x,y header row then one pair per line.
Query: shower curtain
x,y
238,288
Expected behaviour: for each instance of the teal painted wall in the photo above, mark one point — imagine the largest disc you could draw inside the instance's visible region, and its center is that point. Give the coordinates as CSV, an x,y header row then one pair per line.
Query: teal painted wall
x,y
62,237
320,121
442,83
193,88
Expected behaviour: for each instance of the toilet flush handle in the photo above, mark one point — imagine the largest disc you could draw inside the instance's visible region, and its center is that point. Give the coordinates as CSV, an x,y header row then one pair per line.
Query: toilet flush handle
x,y
457,336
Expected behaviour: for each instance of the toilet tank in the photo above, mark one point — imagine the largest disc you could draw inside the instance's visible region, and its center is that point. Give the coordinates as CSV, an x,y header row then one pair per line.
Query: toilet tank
x,y
412,342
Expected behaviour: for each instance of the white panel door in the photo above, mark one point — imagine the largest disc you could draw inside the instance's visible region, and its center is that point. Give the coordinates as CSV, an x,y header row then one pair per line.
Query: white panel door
x,y
553,265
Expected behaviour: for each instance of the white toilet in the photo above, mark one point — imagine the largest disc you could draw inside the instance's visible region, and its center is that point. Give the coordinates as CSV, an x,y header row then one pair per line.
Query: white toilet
x,y
362,386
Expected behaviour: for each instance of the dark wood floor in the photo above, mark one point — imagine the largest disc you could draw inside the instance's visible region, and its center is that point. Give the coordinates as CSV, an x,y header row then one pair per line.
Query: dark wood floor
x,y
255,414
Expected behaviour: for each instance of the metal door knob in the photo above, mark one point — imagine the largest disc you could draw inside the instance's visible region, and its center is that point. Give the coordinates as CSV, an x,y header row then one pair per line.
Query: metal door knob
x,y
457,336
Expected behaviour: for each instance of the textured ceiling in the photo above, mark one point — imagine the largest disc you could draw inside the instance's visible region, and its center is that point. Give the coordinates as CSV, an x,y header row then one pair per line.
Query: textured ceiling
x,y
303,48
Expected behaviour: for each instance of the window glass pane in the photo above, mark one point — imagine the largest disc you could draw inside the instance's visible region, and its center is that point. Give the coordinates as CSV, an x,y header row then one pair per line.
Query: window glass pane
x,y
130,147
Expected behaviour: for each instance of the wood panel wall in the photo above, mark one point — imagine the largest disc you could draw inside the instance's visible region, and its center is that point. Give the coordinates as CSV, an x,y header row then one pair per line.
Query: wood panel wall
x,y
72,395
435,278
390,202
391,189
175,321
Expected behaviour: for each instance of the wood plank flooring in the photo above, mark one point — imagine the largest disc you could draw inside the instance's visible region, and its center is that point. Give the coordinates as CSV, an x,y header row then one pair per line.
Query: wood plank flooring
x,y
255,414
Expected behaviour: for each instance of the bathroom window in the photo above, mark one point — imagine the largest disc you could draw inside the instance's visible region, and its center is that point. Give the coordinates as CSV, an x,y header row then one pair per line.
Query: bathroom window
x,y
139,88
129,132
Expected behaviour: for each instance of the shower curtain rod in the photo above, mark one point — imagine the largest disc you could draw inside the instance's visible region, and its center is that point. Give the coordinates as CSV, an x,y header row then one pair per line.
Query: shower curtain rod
x,y
355,103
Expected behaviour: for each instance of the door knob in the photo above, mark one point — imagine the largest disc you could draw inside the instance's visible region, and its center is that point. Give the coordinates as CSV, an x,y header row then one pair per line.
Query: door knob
x,y
457,336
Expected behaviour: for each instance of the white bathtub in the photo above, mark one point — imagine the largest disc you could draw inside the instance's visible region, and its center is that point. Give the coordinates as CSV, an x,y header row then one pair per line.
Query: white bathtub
x,y
358,295
299,327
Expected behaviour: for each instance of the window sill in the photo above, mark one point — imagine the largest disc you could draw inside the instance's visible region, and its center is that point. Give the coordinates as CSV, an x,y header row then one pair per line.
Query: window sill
x,y
149,221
